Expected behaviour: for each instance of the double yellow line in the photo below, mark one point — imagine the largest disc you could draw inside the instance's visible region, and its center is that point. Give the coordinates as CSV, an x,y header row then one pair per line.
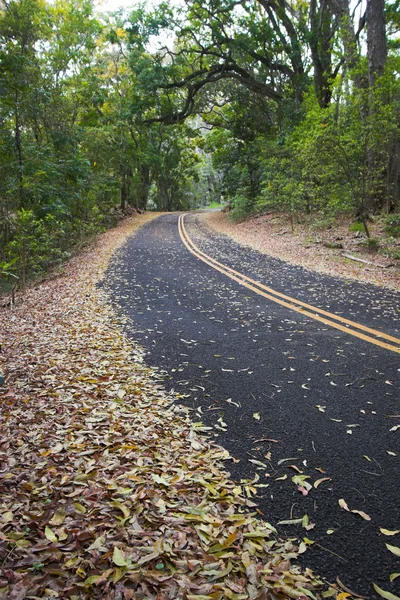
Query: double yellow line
x,y
356,329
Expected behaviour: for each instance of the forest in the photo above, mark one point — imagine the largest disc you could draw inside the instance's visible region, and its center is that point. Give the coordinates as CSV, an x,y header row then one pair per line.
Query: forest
x,y
262,104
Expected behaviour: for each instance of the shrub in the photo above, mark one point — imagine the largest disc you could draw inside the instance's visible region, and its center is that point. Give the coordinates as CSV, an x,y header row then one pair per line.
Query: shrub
x,y
357,226
392,225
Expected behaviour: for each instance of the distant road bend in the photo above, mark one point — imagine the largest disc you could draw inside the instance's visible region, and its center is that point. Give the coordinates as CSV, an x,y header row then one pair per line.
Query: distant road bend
x,y
318,314
297,373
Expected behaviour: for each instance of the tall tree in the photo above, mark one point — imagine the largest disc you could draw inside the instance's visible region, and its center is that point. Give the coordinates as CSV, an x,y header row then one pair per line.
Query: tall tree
x,y
376,39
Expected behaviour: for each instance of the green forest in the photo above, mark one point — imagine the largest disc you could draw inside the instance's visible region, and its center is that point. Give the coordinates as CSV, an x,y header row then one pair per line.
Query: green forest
x,y
262,104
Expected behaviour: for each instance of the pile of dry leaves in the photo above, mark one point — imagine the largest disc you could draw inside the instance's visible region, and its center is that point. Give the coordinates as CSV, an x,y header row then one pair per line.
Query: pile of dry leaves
x,y
108,490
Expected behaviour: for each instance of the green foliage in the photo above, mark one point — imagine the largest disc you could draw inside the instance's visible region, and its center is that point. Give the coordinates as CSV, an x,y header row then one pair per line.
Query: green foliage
x,y
38,244
392,225
370,244
357,226
5,269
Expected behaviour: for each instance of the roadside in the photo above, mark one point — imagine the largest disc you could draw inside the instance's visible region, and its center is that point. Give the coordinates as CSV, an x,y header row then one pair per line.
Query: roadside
x,y
108,490
325,249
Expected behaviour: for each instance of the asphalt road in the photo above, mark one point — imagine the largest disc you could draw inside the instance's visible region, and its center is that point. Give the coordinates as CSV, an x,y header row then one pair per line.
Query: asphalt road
x,y
278,387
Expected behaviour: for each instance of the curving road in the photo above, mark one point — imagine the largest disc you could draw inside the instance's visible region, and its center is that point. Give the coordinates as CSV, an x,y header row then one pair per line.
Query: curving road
x,y
298,374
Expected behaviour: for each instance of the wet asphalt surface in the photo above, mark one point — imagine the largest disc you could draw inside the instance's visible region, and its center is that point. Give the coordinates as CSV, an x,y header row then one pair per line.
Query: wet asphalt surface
x,y
279,388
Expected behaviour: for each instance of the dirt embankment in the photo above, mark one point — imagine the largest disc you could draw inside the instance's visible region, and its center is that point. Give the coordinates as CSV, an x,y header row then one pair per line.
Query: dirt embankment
x,y
334,250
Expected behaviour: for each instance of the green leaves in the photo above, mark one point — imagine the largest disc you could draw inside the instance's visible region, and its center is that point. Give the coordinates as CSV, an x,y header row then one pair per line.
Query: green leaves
x,y
384,594
119,558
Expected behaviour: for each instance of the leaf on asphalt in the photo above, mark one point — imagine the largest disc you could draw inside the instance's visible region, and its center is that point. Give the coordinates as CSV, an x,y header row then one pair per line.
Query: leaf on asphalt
x,y
362,514
343,504
384,594
389,531
394,576
300,480
257,416
258,463
282,460
290,522
319,481
393,549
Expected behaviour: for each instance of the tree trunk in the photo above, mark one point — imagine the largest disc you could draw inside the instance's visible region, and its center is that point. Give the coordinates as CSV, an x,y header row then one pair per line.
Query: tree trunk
x,y
124,188
18,147
377,55
376,39
142,194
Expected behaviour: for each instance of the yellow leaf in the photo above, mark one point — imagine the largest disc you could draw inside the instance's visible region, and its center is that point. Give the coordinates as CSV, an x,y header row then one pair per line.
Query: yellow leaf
x,y
50,535
125,511
59,517
62,534
117,574
343,595
384,594
329,593
92,579
394,576
362,514
229,541
319,481
389,532
79,508
7,517
119,558
394,549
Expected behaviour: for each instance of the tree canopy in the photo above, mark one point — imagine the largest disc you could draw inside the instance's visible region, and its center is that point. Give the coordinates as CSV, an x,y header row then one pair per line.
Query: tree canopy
x,y
267,103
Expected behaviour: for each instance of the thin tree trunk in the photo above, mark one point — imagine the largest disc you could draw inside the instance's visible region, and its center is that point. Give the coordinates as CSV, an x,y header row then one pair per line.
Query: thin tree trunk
x,y
18,147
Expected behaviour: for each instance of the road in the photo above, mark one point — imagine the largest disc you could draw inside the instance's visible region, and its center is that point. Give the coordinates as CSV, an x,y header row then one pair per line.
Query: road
x,y
299,378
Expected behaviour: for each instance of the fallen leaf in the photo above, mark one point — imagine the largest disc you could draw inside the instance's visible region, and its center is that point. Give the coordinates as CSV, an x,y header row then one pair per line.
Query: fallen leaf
x,y
59,517
319,481
50,535
7,516
389,531
362,514
393,549
119,558
385,594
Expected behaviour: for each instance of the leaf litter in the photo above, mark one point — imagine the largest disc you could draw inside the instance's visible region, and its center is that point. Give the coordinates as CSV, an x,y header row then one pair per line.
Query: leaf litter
x,y
108,490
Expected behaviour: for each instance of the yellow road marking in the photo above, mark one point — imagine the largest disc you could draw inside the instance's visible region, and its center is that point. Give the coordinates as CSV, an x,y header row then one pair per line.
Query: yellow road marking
x,y
303,308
